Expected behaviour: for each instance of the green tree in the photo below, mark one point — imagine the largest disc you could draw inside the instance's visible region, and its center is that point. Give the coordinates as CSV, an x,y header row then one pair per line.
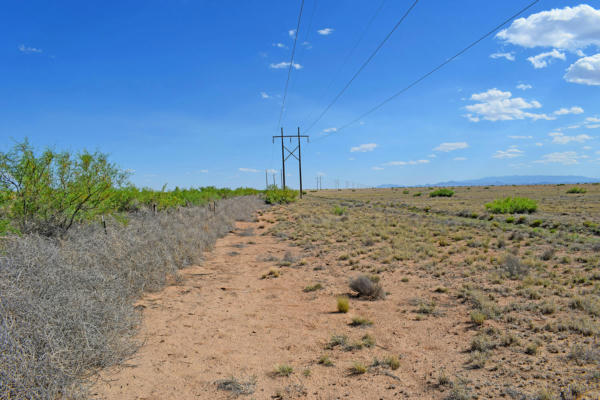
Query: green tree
x,y
46,194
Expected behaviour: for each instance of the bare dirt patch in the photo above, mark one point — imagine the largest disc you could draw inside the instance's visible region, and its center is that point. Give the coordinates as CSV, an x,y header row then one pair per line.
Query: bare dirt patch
x,y
223,331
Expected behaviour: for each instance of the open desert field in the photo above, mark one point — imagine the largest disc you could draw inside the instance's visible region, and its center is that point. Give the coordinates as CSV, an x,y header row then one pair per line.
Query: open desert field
x,y
455,302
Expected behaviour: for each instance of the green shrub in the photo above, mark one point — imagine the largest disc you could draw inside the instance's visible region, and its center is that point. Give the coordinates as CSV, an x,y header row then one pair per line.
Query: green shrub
x,y
343,304
273,195
442,193
512,205
576,189
47,193
337,210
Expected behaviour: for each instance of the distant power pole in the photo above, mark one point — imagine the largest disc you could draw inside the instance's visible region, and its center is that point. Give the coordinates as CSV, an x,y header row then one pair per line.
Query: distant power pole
x,y
291,153
266,179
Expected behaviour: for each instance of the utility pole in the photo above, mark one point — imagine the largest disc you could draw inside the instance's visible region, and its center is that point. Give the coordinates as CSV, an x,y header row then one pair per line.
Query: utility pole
x,y
266,179
291,153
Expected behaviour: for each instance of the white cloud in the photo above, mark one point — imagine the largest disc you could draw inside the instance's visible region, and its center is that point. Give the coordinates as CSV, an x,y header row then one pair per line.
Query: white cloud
x,y
204,171
415,162
451,146
325,31
587,147
280,45
264,95
272,171
524,86
585,71
565,158
248,170
510,153
572,110
376,168
307,45
29,50
284,64
561,138
292,32
509,56
539,144
569,28
327,130
593,126
363,148
592,119
520,137
543,59
496,105
432,156
460,158
320,173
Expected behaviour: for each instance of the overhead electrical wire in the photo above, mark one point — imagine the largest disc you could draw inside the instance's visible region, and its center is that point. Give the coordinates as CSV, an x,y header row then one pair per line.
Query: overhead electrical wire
x,y
287,82
337,96
440,66
347,58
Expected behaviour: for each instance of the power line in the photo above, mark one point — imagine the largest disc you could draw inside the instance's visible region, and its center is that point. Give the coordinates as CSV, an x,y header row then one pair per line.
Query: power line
x,y
350,53
440,66
287,82
363,66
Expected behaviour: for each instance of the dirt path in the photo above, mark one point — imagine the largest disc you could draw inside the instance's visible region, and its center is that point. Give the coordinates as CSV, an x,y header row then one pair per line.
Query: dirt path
x,y
224,321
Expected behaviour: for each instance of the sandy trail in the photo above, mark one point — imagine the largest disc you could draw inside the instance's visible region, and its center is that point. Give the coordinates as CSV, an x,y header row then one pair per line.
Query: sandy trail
x,y
222,320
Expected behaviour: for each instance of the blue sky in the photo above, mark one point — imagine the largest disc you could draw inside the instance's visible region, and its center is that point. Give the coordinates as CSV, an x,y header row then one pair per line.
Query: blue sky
x,y
189,92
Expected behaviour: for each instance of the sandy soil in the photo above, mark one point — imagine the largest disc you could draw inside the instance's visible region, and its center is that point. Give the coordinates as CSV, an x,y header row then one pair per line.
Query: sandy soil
x,y
222,320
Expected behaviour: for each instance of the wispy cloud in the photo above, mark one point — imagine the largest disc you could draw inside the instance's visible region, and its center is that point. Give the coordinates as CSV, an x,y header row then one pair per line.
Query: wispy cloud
x,y
451,146
292,32
459,158
327,130
325,31
565,158
561,138
524,86
284,64
377,168
280,45
520,137
248,170
543,59
572,110
29,50
363,148
509,56
510,153
400,163
264,95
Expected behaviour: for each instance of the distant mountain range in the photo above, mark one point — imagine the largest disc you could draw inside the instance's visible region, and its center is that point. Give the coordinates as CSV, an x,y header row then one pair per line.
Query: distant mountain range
x,y
509,180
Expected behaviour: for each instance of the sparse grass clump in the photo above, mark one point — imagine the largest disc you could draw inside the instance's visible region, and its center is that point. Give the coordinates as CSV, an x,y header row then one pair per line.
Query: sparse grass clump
x,y
313,288
337,210
443,192
357,368
236,387
343,304
283,370
360,321
365,287
576,190
512,205
325,360
273,273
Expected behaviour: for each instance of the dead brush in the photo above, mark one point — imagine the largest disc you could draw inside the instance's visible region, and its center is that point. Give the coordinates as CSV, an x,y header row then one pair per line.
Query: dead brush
x,y
66,306
365,287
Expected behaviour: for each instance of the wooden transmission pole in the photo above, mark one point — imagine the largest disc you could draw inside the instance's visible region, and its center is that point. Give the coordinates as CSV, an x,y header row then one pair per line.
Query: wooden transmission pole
x,y
291,153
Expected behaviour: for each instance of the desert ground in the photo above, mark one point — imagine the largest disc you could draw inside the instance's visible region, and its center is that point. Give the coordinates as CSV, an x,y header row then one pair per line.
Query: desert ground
x,y
470,304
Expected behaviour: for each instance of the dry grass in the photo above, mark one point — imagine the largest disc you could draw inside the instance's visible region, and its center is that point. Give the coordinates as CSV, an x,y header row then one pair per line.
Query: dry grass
x,y
530,287
66,306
